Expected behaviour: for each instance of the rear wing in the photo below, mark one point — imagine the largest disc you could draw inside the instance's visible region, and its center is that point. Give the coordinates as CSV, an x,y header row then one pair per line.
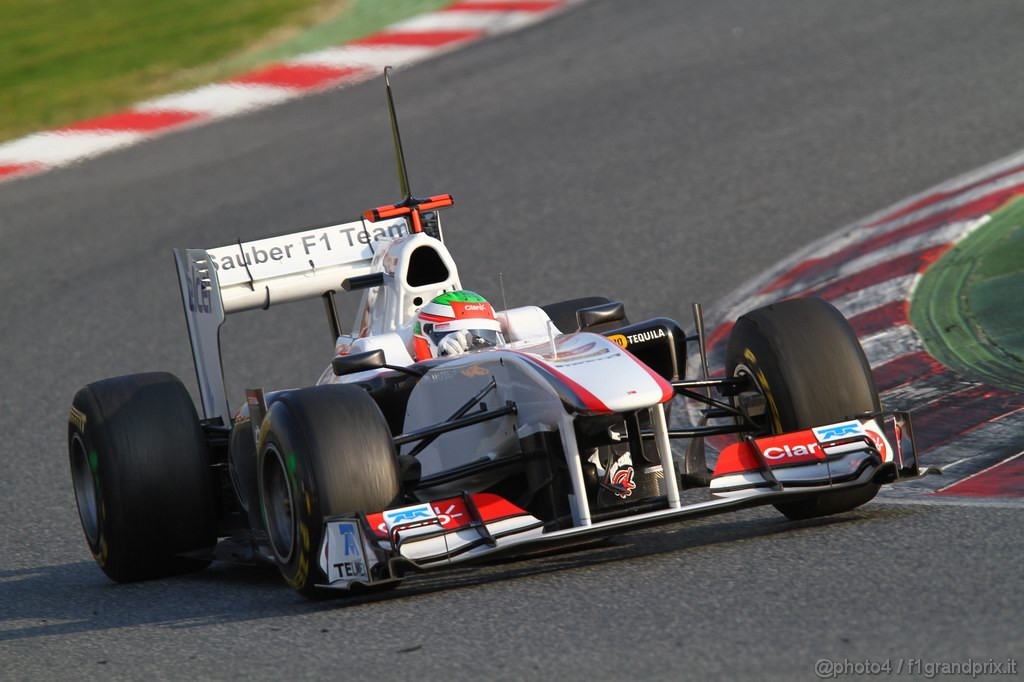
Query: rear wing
x,y
255,275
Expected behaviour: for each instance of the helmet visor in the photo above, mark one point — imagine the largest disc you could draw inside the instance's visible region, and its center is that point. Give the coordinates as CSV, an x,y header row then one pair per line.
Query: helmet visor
x,y
479,338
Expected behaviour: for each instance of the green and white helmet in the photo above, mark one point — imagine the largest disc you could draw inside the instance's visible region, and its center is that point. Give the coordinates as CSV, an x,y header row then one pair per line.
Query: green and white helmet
x,y
451,312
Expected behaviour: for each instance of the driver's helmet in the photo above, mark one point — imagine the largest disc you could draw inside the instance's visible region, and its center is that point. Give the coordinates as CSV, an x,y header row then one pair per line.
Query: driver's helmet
x,y
465,312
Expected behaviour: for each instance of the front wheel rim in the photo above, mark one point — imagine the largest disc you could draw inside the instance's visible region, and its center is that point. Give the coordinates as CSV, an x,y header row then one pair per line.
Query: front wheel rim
x,y
766,421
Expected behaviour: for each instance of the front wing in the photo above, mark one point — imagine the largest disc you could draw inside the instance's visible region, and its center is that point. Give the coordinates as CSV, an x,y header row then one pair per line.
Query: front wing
x,y
382,547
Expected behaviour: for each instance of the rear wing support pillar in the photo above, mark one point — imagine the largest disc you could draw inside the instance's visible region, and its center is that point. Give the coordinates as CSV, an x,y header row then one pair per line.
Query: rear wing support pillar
x,y
255,275
204,313
331,308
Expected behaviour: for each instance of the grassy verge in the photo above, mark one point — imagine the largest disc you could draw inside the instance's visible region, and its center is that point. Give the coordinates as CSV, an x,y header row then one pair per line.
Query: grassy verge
x,y
65,60
967,305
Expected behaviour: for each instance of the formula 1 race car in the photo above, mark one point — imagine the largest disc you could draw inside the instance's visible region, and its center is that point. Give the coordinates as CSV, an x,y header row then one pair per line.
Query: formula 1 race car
x,y
551,431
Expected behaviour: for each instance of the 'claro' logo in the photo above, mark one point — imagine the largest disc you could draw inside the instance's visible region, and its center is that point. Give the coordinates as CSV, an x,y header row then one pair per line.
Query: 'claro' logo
x,y
791,448
787,452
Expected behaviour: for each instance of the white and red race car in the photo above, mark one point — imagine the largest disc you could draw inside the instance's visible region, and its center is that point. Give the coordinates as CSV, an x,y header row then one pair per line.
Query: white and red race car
x,y
389,465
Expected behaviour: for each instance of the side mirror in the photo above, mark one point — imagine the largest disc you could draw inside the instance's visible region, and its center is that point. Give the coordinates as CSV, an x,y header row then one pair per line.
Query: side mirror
x,y
374,279
606,313
360,362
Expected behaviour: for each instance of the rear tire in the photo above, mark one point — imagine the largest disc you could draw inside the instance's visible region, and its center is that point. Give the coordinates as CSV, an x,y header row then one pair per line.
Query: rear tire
x,y
141,476
805,358
326,450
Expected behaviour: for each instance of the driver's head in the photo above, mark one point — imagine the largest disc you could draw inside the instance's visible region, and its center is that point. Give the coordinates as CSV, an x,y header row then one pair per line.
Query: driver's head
x,y
464,313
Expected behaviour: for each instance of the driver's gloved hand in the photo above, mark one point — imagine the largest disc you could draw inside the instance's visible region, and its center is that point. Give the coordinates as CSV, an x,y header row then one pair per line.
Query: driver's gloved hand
x,y
455,343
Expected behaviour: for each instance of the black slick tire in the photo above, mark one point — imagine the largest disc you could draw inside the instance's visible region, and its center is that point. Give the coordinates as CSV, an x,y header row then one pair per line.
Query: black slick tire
x,y
322,451
805,358
141,476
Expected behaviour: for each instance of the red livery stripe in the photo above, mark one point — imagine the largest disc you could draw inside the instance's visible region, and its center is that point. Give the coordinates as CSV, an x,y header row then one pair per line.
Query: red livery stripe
x,y
473,310
493,507
592,402
589,400
667,392
800,447
427,317
453,514
735,458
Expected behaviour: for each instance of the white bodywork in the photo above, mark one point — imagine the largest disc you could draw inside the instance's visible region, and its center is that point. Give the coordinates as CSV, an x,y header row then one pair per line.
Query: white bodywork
x,y
551,377
539,382
302,265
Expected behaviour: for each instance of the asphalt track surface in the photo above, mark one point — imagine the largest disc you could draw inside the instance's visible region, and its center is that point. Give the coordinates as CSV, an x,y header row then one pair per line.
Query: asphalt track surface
x,y
659,152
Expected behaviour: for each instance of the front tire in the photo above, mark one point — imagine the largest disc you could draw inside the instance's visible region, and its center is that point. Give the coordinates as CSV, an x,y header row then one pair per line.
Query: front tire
x,y
805,358
141,476
326,450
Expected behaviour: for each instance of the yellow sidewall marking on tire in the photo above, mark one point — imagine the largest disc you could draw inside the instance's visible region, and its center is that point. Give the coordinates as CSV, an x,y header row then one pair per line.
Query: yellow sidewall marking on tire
x,y
771,399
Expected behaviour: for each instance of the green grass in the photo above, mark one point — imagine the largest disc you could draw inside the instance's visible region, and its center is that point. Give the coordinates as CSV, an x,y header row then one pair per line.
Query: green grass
x,y
967,306
65,60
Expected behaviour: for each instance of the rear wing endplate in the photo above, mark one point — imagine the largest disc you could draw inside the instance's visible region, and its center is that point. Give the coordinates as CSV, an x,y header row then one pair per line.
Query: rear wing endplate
x,y
255,275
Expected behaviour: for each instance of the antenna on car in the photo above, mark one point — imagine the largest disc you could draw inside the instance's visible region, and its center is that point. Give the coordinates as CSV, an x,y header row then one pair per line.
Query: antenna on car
x,y
403,171
504,307
409,207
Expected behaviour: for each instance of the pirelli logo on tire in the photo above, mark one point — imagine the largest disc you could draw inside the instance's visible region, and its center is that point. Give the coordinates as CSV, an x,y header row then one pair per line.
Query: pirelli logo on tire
x,y
77,418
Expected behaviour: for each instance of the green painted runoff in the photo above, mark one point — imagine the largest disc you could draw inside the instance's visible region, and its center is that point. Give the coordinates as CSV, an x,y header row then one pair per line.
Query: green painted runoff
x,y
969,305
